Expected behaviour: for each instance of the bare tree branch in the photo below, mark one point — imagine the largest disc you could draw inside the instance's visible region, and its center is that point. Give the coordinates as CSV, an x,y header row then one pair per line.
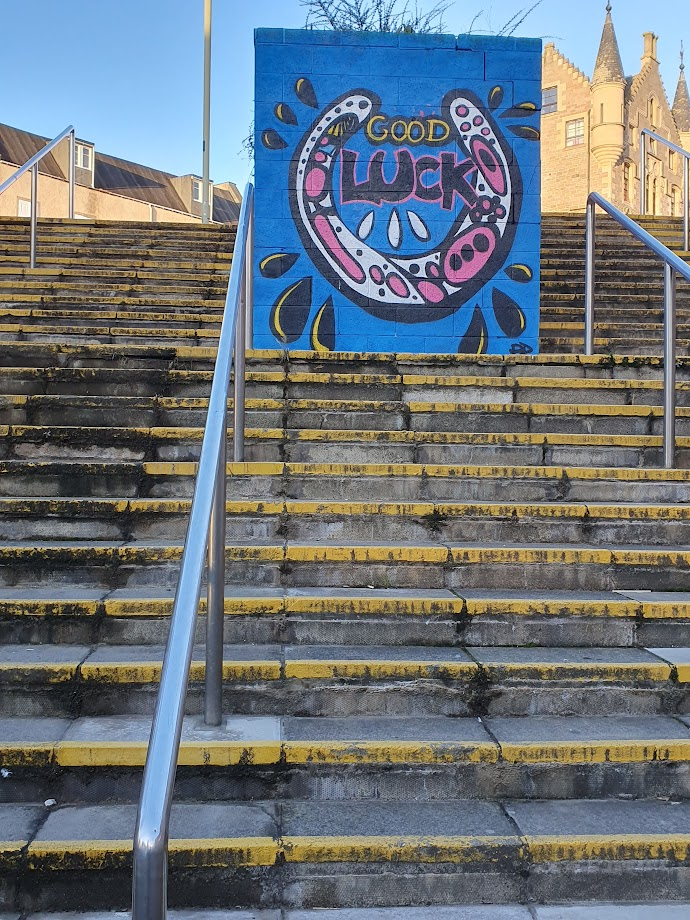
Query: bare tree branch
x,y
375,15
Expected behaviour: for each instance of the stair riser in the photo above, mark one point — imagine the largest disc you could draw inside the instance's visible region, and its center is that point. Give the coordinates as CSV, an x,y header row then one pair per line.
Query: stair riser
x,y
387,783
392,488
437,631
376,528
353,697
96,571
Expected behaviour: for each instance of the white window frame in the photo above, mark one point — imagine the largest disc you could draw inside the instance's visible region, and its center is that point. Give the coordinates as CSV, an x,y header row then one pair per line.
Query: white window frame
x,y
78,149
27,202
197,184
551,107
578,137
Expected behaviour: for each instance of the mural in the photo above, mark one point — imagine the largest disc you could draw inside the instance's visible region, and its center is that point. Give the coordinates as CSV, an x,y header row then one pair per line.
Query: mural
x,y
397,227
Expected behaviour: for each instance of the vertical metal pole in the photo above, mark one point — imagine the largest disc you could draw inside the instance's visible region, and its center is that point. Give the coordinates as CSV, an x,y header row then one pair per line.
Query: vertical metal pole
x,y
643,173
239,372
215,603
206,182
590,245
669,367
686,205
249,283
34,214
71,173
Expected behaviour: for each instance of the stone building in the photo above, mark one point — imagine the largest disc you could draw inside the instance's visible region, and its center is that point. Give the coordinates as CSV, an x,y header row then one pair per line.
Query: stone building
x,y
107,187
591,130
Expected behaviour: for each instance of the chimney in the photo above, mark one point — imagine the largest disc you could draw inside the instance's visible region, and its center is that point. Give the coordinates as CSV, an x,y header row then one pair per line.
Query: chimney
x,y
650,43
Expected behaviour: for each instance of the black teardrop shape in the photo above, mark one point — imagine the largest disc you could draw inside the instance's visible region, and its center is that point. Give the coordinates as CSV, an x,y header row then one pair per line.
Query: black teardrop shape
x,y
508,315
523,274
291,311
273,140
323,328
521,110
495,98
526,132
475,340
305,93
277,265
284,113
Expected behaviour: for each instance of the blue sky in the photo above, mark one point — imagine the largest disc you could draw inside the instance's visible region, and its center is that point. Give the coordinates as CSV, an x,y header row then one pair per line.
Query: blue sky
x,y
128,73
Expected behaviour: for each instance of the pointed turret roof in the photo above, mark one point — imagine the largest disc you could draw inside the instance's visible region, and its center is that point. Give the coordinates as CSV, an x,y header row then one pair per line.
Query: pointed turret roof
x,y
681,104
609,66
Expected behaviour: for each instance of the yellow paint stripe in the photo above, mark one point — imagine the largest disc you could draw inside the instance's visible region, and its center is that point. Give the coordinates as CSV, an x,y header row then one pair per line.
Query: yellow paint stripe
x,y
192,754
403,849
224,851
377,669
578,671
490,606
615,847
584,751
128,672
383,752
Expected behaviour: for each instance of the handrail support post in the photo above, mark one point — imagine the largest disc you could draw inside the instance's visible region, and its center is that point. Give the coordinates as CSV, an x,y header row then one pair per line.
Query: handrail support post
x,y
669,367
239,372
643,173
686,204
249,284
72,171
590,276
34,214
215,593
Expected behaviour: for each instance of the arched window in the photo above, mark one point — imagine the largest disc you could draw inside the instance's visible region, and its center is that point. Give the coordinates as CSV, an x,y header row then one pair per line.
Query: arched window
x,y
655,196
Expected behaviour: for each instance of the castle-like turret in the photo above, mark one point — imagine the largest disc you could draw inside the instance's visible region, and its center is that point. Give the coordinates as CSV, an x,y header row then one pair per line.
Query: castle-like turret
x,y
608,99
681,105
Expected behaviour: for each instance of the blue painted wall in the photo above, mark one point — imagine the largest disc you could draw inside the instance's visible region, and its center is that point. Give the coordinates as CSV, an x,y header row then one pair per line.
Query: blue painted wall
x,y
397,192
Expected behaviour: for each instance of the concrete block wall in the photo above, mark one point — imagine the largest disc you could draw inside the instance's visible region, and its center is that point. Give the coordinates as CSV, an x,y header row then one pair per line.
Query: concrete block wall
x,y
398,199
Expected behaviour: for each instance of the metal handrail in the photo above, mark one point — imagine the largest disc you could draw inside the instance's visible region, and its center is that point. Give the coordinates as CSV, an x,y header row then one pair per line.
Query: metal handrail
x,y
673,265
644,134
32,165
206,530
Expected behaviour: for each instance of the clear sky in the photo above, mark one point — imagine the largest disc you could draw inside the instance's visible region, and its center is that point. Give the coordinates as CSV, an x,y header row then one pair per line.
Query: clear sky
x,y
128,73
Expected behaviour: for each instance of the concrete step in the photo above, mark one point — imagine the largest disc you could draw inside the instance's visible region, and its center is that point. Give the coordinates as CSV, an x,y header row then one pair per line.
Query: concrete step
x,y
433,758
164,444
452,565
145,519
266,482
59,681
356,616
296,853
660,910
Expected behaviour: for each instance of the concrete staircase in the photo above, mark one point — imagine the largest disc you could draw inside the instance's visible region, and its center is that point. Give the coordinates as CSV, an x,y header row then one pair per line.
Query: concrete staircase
x,y
629,290
457,614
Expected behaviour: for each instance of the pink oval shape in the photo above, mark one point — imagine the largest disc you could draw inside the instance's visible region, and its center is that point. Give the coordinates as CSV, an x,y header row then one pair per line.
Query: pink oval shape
x,y
431,292
489,166
315,181
458,270
320,157
397,285
376,274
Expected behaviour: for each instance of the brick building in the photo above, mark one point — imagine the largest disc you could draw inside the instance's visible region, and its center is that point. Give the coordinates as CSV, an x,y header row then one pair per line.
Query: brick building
x,y
591,130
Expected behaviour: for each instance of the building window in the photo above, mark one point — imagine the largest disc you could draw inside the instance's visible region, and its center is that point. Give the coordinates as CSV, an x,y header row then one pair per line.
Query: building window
x,y
575,132
672,160
24,208
675,201
626,182
549,100
83,156
196,190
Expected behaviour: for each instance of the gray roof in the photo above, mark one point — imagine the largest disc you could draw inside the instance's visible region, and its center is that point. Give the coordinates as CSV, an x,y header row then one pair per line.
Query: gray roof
x,y
111,174
681,104
609,66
